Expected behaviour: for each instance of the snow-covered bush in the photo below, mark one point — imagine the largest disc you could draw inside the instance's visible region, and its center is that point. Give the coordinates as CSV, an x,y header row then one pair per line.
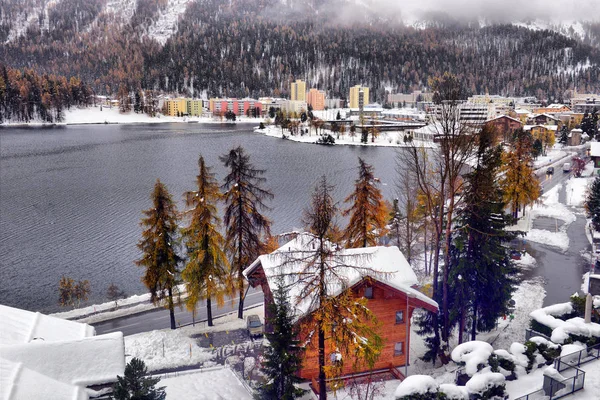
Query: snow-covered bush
x,y
564,329
472,355
454,392
488,385
418,387
502,361
326,139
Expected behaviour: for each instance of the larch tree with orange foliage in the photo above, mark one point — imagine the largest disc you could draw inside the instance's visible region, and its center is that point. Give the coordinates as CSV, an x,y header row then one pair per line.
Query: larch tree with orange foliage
x,y
207,268
368,214
158,244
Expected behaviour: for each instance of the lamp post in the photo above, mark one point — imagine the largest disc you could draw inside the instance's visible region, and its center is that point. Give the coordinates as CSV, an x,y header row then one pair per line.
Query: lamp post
x,y
407,338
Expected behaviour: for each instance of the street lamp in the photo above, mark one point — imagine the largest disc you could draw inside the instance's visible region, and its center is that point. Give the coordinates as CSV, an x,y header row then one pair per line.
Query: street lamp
x,y
407,338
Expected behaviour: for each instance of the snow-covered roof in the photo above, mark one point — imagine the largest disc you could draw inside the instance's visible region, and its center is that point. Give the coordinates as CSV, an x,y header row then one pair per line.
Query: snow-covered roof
x,y
504,116
385,264
544,115
595,149
522,111
18,382
54,356
88,361
548,127
558,106
22,326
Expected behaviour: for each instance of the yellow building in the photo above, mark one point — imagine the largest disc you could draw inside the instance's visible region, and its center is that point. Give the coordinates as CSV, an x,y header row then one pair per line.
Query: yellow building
x,y
176,107
182,106
194,108
359,96
316,99
298,90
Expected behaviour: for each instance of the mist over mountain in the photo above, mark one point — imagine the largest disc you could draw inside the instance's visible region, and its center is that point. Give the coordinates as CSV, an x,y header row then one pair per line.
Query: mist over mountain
x,y
256,47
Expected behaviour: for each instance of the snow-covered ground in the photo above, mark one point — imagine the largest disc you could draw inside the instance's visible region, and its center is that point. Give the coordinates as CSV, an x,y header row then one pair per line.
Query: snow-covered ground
x,y
385,139
211,384
166,348
551,208
106,115
166,23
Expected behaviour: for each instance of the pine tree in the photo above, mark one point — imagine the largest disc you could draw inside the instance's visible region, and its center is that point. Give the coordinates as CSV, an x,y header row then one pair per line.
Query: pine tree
x,y
538,148
368,216
282,358
592,203
482,273
158,249
564,135
206,269
587,124
519,183
134,385
245,225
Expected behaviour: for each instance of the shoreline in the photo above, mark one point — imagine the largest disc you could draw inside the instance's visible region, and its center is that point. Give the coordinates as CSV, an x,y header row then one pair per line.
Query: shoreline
x,y
107,116
62,124
385,139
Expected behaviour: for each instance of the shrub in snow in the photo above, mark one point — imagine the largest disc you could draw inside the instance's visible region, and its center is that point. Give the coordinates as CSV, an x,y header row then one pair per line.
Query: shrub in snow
x,y
326,139
417,387
454,392
502,361
473,355
488,385
134,385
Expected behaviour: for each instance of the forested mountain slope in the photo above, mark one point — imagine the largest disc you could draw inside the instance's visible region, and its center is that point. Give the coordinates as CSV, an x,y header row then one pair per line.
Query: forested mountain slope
x,y
256,47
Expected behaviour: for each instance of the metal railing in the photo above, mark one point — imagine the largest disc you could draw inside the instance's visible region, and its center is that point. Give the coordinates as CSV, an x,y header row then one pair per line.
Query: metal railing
x,y
529,333
577,358
556,389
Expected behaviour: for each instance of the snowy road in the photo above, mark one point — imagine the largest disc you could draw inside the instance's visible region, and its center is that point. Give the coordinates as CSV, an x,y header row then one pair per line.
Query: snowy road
x,y
561,268
159,318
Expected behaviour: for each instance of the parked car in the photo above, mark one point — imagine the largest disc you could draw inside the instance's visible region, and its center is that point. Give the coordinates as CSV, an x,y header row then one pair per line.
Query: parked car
x,y
550,170
566,167
254,325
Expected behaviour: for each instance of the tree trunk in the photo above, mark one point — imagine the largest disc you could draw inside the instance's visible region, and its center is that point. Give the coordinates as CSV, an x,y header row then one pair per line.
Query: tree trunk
x,y
241,305
461,327
209,311
322,383
474,326
171,309
448,241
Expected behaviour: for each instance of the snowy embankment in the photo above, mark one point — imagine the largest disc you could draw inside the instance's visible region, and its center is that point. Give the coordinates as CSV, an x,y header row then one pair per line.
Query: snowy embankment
x,y
106,115
385,139
113,309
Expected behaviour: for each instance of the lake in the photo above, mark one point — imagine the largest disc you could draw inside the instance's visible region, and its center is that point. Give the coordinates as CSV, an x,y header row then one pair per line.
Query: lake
x,y
71,198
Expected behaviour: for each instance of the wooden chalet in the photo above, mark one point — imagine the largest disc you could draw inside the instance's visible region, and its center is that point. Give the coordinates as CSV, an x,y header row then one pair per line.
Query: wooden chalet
x,y
542,119
505,127
390,291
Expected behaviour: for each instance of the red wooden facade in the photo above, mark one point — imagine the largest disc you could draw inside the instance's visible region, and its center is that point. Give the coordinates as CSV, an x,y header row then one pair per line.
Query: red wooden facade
x,y
505,126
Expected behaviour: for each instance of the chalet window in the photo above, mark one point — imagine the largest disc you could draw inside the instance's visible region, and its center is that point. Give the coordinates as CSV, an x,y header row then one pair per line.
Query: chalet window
x,y
399,317
369,292
399,349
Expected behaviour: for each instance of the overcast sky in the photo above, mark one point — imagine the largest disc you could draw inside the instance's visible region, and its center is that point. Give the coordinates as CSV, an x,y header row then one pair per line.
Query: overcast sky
x,y
501,10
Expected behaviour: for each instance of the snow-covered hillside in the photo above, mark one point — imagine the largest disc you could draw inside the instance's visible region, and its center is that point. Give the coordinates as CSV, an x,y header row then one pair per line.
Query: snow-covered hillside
x,y
166,24
28,16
